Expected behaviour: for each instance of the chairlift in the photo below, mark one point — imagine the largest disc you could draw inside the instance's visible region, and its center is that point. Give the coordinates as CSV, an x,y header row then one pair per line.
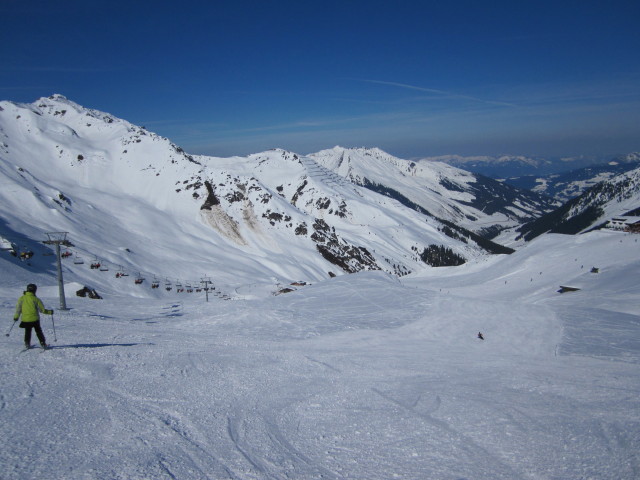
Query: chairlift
x,y
78,260
104,268
66,254
138,280
167,286
155,283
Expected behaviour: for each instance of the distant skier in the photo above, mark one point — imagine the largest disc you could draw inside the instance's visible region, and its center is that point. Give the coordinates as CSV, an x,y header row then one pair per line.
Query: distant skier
x,y
30,306
480,336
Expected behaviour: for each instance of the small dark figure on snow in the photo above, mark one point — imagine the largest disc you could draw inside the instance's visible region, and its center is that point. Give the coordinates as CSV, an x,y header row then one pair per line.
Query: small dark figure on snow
x,y
30,306
480,336
83,292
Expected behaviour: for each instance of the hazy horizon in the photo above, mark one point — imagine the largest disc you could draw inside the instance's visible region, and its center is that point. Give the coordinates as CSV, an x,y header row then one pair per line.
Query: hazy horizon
x,y
416,79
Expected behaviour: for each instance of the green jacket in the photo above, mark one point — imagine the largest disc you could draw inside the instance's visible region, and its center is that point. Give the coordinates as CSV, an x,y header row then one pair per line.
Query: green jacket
x,y
29,307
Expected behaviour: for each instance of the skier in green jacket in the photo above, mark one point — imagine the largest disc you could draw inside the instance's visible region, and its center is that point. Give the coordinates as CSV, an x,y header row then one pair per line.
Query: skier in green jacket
x,y
30,306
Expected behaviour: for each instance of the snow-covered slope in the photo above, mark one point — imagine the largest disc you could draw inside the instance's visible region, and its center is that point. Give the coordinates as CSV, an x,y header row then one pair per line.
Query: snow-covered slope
x,y
136,203
368,376
477,203
362,376
599,204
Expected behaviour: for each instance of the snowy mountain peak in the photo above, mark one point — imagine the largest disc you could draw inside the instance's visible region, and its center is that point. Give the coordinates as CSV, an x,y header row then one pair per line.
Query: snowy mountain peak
x,y
478,204
117,187
483,372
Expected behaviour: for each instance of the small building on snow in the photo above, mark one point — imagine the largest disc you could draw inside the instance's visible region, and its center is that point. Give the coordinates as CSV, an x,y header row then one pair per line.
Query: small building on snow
x,y
625,224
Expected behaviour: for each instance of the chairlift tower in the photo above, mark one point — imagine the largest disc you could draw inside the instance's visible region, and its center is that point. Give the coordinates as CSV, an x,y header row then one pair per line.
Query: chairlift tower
x,y
206,281
57,239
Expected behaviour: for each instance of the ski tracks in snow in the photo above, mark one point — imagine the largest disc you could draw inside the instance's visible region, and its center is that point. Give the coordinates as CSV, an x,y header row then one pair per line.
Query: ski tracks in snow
x,y
459,441
171,439
377,383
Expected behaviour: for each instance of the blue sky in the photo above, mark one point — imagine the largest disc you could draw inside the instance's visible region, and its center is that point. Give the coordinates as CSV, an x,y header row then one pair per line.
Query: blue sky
x,y
415,78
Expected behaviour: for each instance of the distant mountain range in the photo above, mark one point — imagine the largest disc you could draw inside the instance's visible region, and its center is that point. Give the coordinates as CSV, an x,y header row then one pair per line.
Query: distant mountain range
x,y
130,199
588,197
617,196
505,166
135,202
565,186
561,179
475,202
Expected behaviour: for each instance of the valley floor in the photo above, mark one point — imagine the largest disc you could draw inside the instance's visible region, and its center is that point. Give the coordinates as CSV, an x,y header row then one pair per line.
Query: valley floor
x,y
359,377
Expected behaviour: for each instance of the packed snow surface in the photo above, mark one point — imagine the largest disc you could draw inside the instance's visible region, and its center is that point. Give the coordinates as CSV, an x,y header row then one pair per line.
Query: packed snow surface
x,y
362,376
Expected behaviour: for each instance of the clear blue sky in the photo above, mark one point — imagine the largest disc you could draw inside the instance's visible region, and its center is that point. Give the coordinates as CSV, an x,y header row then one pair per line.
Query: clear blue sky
x,y
415,78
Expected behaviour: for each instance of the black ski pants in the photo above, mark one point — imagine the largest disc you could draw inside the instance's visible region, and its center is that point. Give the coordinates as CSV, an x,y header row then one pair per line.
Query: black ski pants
x,y
27,332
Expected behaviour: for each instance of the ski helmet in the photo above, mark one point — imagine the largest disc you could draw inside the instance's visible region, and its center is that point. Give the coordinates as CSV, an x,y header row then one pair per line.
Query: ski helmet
x,y
32,287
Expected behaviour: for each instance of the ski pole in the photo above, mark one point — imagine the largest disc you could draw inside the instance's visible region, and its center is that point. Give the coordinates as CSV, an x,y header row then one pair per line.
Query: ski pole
x,y
55,339
10,328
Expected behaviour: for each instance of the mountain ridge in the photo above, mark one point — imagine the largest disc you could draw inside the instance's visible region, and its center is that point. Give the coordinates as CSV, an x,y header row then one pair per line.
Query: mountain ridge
x,y
617,196
567,185
474,202
277,214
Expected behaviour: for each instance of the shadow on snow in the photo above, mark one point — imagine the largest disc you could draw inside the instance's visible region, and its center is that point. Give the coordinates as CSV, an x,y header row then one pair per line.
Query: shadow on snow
x,y
97,345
